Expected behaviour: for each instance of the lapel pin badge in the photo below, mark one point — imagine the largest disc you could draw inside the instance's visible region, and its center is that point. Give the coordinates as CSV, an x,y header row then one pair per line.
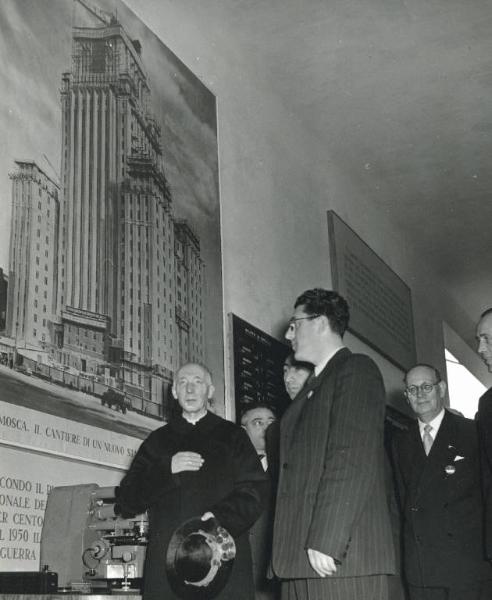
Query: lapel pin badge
x,y
450,470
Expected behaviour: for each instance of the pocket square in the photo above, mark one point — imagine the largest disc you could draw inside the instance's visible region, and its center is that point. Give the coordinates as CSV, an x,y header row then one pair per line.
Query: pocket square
x,y
458,457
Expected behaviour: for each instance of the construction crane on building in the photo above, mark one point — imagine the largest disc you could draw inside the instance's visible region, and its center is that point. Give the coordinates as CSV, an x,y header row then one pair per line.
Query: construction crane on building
x,y
52,167
102,15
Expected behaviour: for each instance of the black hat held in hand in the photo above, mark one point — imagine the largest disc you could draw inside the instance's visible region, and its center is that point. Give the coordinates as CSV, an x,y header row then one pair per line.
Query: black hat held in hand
x,y
199,559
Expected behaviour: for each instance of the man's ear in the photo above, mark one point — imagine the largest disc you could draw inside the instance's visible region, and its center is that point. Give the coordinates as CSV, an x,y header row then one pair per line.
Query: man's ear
x,y
442,388
211,391
173,391
322,322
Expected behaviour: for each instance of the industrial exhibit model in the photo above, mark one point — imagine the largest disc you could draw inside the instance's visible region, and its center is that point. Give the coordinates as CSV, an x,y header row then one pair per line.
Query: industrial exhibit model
x,y
87,545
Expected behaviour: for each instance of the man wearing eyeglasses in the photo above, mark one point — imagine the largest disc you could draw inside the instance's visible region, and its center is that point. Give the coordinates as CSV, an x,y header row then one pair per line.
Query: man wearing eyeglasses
x,y
332,536
437,470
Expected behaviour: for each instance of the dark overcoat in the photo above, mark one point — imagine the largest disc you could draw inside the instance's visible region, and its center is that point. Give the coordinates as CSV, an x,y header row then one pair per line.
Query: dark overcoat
x,y
260,537
331,493
484,420
442,505
231,484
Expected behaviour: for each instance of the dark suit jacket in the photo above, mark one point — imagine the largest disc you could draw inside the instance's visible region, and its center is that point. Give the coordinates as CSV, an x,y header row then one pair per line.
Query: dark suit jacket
x,y
331,493
484,420
272,449
260,539
442,505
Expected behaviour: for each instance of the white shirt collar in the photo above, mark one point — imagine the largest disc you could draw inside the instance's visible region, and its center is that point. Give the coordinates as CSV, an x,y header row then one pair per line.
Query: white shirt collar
x,y
321,366
192,420
435,424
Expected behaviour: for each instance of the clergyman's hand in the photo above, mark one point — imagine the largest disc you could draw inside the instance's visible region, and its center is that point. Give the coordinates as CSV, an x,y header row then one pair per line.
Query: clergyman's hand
x,y
322,563
186,461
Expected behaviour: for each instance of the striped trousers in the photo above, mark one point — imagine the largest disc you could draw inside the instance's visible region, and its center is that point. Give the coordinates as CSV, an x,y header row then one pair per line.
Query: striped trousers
x,y
374,587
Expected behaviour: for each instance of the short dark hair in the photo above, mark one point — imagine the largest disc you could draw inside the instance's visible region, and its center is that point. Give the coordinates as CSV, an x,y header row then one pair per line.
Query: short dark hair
x,y
290,361
247,409
486,313
327,303
427,366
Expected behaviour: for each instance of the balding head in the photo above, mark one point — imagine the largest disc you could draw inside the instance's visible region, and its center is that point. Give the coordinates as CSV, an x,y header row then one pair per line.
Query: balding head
x,y
193,388
425,391
255,421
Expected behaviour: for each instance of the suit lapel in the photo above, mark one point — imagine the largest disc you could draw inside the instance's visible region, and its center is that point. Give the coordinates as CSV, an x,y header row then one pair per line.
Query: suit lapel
x,y
415,459
439,455
294,413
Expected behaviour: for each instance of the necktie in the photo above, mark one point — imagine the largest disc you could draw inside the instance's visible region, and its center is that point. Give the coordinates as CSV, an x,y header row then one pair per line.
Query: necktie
x,y
427,439
263,460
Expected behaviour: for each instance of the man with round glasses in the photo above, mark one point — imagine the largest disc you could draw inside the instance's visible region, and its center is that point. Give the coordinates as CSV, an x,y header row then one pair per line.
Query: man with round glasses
x,y
332,535
437,470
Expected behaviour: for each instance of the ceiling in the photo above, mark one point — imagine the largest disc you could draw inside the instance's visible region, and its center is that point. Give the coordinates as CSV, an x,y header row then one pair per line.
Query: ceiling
x,y
399,91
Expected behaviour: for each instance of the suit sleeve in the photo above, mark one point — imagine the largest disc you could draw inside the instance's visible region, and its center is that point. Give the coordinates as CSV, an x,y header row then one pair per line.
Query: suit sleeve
x,y
484,426
352,455
401,491
242,507
147,480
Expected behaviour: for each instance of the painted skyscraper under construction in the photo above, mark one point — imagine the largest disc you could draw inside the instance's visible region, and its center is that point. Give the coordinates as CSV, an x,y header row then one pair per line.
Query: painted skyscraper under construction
x,y
130,275
32,255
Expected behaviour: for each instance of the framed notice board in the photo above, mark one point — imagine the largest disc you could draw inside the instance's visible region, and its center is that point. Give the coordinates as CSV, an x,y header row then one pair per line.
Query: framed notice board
x,y
380,302
258,360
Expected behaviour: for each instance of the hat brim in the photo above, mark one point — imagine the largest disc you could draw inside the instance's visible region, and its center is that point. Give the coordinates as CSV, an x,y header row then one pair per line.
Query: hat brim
x,y
177,581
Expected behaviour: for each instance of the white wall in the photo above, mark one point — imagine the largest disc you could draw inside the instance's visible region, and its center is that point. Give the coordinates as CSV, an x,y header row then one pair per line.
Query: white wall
x,y
277,182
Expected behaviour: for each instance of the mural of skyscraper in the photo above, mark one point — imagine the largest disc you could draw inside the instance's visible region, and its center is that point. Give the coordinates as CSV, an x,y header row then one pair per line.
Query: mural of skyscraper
x,y
33,255
189,281
126,274
4,285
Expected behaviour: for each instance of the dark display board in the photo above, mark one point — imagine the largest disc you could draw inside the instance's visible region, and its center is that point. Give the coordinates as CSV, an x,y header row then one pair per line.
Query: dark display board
x,y
258,360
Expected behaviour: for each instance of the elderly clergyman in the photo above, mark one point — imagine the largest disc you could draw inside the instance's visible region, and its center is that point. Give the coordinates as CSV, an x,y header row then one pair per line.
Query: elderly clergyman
x,y
198,464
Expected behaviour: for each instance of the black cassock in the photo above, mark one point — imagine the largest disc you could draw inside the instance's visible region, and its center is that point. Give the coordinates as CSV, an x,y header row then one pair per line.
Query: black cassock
x,y
231,484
